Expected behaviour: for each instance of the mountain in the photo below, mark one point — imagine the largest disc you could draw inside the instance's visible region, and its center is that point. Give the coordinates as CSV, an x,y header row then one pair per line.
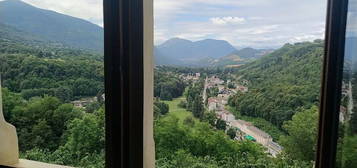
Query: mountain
x,y
51,26
241,57
251,53
160,59
282,82
188,52
204,53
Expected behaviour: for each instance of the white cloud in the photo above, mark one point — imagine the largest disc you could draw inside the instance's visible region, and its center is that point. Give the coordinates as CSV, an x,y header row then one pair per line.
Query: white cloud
x,y
254,23
227,20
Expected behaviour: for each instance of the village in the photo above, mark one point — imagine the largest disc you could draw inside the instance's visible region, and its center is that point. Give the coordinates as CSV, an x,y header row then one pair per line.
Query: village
x,y
245,130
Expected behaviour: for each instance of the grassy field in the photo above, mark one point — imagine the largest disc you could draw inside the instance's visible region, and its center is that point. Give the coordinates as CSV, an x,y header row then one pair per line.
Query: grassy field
x,y
176,111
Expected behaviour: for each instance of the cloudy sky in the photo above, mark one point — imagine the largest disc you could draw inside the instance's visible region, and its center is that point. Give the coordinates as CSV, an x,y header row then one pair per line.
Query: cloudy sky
x,y
351,19
254,23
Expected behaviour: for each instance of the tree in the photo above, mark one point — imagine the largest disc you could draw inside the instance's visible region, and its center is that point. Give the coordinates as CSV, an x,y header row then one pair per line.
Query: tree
x,y
198,109
300,143
189,121
182,104
353,122
231,85
165,94
232,133
210,117
163,107
221,124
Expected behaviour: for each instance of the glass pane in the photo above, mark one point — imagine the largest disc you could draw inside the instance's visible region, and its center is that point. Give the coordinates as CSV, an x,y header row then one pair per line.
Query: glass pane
x,y
51,64
237,83
347,142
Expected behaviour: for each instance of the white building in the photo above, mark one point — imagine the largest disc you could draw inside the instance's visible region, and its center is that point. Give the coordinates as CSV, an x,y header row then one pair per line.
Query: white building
x,y
248,128
226,116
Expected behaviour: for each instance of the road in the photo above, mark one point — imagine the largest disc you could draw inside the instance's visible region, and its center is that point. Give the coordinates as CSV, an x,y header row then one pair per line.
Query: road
x,y
204,94
350,100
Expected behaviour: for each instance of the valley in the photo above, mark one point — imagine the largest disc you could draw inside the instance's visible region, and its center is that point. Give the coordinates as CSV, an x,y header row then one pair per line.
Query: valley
x,y
215,106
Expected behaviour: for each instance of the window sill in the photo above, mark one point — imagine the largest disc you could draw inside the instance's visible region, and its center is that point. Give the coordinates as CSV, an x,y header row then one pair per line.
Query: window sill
x,y
23,163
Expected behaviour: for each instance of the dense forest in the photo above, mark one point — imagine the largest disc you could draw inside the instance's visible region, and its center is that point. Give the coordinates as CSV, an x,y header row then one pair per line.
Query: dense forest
x,y
167,84
40,79
281,82
61,72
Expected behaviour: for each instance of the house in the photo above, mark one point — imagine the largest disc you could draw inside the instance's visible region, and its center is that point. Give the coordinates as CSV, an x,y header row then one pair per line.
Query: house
x,y
212,104
242,88
216,81
225,116
84,102
343,113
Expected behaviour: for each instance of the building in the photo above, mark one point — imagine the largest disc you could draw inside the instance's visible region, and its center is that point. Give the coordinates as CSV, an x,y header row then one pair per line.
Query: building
x,y
226,116
248,128
212,104
343,114
242,89
274,148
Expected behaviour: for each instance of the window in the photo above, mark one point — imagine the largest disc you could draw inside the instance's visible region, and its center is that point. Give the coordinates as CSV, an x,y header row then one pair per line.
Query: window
x,y
134,118
347,142
237,83
52,74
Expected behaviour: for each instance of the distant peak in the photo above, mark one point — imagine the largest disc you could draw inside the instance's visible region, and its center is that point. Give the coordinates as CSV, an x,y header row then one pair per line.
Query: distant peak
x,y
178,39
14,2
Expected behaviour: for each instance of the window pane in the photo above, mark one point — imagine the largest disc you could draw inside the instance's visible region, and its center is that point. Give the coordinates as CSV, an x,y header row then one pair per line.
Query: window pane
x,y
51,63
347,141
237,83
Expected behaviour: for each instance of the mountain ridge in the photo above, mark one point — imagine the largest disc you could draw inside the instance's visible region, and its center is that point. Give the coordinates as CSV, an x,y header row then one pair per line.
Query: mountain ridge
x,y
51,25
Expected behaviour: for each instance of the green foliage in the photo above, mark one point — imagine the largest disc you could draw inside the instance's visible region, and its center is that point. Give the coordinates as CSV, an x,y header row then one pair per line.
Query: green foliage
x,y
167,85
221,125
189,121
162,107
182,104
349,152
191,146
67,80
83,147
41,122
210,117
212,92
231,132
194,99
231,86
300,143
281,82
197,107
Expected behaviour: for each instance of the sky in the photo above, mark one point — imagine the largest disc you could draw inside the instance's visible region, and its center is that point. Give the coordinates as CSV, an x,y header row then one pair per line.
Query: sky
x,y
351,19
243,23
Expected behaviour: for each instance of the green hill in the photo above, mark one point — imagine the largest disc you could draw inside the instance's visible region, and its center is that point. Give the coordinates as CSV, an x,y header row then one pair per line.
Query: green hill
x,y
281,82
51,26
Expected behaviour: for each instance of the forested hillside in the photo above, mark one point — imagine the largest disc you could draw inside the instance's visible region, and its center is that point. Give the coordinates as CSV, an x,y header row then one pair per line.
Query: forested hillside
x,y
52,26
37,70
282,82
40,79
